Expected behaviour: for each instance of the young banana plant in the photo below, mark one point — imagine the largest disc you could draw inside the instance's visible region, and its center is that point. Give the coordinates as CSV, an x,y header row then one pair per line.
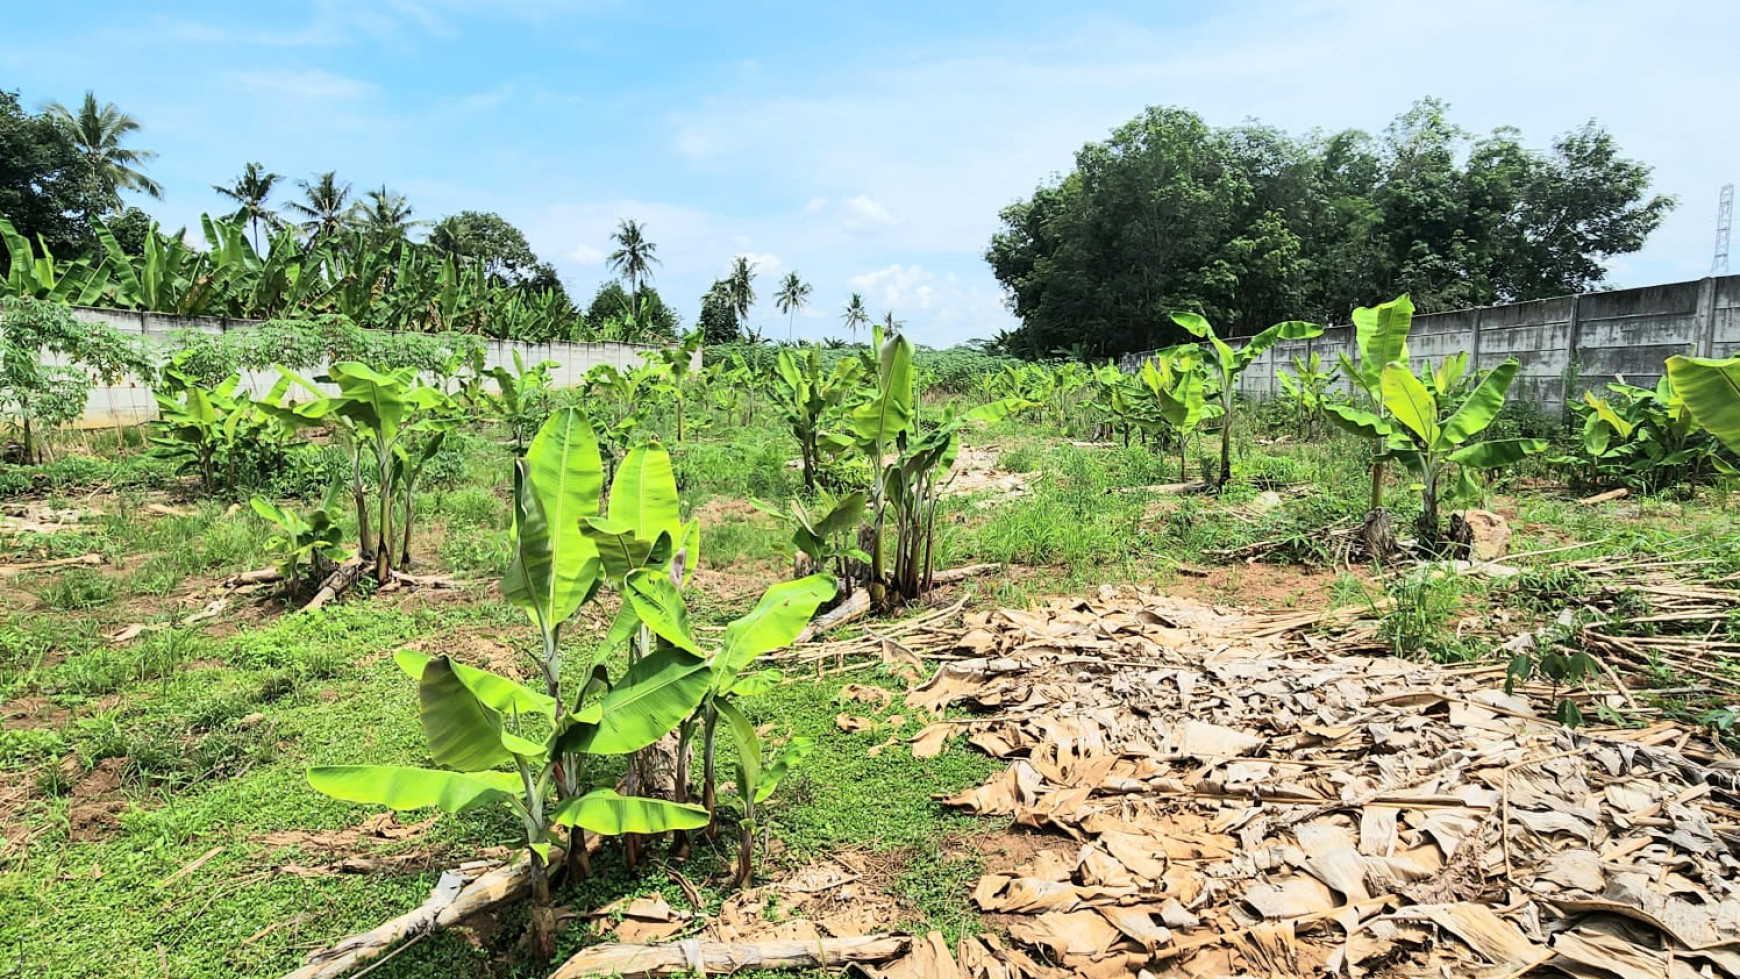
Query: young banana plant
x,y
1381,333
470,717
1429,434
1231,363
1177,381
1710,391
776,620
313,538
806,396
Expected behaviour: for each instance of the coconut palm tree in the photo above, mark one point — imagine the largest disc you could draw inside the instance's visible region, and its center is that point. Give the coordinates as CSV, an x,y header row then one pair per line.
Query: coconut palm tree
x,y
634,256
98,131
384,217
890,324
250,192
855,315
740,288
793,295
325,207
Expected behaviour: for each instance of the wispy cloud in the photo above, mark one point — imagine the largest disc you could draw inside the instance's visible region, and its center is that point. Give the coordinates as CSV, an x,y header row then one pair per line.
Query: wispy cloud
x,y
308,83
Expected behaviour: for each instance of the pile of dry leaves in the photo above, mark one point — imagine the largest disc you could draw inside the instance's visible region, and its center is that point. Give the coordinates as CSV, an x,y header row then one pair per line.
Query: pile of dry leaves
x,y
1230,797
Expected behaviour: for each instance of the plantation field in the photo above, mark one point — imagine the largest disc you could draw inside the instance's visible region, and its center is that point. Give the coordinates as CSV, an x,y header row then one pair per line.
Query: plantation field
x,y
161,711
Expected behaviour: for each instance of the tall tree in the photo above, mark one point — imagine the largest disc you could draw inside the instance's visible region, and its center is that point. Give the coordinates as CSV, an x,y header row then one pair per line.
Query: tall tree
x,y
325,208
250,193
384,217
634,256
1249,225
855,315
793,295
718,319
47,188
740,289
99,131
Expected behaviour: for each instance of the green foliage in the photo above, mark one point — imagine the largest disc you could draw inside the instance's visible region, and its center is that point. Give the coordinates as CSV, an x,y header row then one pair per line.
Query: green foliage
x,y
48,189
37,397
1250,224
1642,438
309,539
807,398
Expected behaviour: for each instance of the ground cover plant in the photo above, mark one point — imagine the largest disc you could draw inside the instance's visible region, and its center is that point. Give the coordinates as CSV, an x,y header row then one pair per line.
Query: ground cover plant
x,y
595,627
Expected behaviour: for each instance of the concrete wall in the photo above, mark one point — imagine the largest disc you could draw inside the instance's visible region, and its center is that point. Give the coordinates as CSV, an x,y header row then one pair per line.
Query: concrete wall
x,y
130,401
1625,332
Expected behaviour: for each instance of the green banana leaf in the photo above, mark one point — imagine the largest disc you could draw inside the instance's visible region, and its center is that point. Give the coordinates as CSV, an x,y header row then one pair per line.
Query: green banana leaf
x,y
402,787
1710,390
497,692
567,475
1358,421
657,603
655,694
775,621
606,813
530,579
789,758
1411,404
463,733
1497,454
643,497
1482,404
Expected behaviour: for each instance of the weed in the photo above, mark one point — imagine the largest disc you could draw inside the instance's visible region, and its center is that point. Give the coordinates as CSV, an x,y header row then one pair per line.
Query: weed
x,y
77,588
1421,605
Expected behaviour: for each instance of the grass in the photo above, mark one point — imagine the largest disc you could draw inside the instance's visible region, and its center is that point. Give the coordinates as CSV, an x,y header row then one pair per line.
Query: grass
x,y
207,731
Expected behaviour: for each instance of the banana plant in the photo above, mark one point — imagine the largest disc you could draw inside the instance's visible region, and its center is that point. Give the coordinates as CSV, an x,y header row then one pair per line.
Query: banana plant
x,y
1710,391
1381,334
378,410
32,276
774,623
1428,434
826,535
806,397
1308,388
674,366
1231,363
476,724
522,396
1177,381
908,462
312,538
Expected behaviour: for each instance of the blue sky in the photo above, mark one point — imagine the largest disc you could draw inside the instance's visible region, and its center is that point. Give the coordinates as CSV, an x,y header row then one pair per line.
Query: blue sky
x,y
867,146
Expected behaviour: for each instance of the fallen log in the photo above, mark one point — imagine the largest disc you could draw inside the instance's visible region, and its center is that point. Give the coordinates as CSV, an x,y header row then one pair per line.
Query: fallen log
x,y
952,575
259,576
722,958
336,583
855,607
1607,497
455,898
7,570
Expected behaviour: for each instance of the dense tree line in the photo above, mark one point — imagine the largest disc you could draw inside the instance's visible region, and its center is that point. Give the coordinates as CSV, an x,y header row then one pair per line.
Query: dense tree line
x,y
1250,225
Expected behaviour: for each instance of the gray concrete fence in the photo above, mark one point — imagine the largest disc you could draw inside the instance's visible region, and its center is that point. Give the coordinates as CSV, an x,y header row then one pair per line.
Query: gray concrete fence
x,y
1581,341
131,402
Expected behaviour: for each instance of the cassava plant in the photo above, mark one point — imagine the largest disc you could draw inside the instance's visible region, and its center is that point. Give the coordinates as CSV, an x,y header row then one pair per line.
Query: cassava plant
x,y
1228,364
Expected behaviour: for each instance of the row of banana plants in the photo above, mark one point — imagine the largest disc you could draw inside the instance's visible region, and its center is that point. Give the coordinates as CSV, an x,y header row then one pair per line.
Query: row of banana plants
x,y
401,286
651,691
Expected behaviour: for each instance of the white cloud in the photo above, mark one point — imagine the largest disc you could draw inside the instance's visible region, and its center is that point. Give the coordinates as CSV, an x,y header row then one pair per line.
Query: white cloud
x,y
895,286
586,255
866,214
766,263
311,83
815,205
